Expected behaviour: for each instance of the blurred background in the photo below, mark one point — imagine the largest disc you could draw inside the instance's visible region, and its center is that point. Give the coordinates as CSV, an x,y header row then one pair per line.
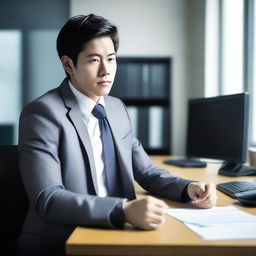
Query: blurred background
x,y
170,51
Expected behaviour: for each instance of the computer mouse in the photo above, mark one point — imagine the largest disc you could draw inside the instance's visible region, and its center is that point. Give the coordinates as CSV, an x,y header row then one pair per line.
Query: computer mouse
x,y
247,198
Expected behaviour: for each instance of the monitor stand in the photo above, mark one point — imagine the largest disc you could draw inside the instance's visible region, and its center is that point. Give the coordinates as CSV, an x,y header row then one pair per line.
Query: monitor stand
x,y
186,162
236,169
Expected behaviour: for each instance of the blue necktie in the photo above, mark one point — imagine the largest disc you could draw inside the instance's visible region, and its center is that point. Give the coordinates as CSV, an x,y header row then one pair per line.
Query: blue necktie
x,y
109,153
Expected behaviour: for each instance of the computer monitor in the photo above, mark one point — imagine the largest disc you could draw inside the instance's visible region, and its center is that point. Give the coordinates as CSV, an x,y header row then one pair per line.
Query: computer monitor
x,y
217,129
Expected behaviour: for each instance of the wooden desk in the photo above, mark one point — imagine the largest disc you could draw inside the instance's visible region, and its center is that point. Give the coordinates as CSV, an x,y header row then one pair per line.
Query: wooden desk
x,y
173,238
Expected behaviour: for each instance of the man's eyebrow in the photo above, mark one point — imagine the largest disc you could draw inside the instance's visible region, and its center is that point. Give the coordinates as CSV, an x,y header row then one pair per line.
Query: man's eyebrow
x,y
98,55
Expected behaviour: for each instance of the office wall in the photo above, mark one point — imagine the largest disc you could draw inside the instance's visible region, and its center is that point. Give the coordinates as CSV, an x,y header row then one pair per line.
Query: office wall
x,y
172,28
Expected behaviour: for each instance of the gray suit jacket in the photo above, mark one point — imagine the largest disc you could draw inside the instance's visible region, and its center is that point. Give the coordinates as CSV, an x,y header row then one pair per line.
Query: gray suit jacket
x,y
56,160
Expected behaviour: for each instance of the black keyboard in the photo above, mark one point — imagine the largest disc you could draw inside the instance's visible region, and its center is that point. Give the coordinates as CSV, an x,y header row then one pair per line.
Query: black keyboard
x,y
237,188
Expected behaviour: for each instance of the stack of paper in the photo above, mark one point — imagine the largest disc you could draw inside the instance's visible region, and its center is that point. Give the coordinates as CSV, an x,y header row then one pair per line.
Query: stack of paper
x,y
218,223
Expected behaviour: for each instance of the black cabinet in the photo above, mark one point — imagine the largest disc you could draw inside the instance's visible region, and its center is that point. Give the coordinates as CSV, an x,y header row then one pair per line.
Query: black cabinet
x,y
143,84
6,134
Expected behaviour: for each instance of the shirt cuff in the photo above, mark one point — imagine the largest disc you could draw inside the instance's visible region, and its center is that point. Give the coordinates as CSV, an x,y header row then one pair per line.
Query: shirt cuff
x,y
117,216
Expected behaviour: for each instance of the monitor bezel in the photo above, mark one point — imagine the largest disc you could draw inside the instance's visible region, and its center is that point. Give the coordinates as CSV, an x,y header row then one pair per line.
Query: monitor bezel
x,y
244,131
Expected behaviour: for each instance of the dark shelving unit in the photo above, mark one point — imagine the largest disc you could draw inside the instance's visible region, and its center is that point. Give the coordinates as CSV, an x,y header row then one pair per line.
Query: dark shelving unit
x,y
143,83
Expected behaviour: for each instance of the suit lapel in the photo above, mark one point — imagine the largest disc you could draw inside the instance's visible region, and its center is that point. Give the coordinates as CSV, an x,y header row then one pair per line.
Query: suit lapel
x,y
77,120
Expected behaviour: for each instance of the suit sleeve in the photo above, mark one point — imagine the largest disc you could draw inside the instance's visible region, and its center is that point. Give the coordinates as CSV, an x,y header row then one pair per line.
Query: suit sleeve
x,y
40,167
154,179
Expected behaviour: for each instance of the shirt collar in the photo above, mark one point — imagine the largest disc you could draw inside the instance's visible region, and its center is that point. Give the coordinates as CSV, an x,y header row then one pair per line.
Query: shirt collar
x,y
85,104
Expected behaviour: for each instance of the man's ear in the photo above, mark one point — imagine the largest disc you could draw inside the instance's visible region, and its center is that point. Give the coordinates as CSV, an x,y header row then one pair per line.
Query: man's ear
x,y
67,64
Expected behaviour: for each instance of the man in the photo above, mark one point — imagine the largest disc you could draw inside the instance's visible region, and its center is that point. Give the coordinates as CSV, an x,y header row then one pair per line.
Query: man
x,y
78,167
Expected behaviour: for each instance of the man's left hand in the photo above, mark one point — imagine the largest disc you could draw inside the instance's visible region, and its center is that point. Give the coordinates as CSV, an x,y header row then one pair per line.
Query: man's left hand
x,y
203,195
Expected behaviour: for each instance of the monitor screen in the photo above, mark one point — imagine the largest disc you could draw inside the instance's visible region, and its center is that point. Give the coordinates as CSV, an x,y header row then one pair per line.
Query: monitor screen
x,y
217,127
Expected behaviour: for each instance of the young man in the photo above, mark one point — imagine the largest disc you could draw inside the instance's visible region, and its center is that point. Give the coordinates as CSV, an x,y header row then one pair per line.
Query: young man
x,y
78,167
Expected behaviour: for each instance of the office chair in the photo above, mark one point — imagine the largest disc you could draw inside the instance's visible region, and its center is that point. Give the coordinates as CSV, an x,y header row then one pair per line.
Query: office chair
x,y
13,199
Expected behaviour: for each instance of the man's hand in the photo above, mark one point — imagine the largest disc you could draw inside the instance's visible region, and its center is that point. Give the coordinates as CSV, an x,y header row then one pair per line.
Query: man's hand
x,y
146,213
202,194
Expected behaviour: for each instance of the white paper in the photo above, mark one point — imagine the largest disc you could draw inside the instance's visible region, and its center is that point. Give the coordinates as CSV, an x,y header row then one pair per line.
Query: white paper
x,y
230,231
224,214
218,223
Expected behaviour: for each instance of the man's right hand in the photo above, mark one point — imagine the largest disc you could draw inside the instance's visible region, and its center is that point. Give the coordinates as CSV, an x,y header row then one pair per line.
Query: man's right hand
x,y
146,213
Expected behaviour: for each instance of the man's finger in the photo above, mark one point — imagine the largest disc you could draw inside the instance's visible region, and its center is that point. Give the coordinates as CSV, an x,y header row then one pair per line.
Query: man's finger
x,y
155,218
161,204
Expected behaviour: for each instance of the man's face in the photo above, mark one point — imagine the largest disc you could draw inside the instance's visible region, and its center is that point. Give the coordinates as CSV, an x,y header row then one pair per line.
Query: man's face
x,y
96,68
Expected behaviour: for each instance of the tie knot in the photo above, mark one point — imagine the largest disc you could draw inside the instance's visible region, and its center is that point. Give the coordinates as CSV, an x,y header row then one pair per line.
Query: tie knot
x,y
99,111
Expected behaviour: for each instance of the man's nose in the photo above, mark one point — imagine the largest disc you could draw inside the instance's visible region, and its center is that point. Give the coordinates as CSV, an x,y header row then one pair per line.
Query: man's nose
x,y
104,69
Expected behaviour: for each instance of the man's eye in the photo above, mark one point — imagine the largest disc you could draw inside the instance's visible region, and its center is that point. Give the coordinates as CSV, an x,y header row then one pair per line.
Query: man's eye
x,y
111,59
94,60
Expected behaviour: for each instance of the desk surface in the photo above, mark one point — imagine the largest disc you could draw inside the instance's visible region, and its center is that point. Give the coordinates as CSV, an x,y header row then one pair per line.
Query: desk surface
x,y
173,238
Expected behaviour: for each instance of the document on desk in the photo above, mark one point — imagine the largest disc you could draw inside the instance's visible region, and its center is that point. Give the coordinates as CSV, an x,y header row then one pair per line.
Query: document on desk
x,y
217,223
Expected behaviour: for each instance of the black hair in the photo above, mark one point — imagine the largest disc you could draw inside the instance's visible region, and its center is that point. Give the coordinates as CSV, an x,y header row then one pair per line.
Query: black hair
x,y
80,29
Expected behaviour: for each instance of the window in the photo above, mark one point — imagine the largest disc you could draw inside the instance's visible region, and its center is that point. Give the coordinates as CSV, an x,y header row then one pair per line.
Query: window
x,y
224,52
253,74
10,85
212,48
230,53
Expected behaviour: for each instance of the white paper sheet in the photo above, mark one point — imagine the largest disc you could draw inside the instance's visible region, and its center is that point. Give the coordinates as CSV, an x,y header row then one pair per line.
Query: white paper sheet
x,y
218,223
225,214
230,231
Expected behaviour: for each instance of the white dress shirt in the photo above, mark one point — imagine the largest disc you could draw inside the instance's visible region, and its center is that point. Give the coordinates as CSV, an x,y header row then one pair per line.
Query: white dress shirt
x,y
86,106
